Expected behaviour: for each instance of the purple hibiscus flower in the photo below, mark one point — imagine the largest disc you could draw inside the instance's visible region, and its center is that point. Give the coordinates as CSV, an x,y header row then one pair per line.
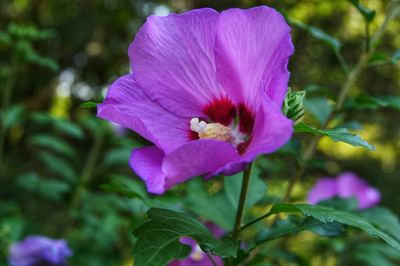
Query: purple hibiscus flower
x,y
345,185
197,257
39,250
206,89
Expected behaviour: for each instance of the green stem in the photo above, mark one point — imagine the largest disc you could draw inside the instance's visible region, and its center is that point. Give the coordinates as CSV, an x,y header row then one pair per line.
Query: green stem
x,y
242,201
8,90
88,168
367,37
256,220
341,60
394,10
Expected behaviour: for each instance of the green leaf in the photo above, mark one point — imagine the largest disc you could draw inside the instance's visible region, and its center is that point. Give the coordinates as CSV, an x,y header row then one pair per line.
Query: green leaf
x,y
11,230
329,215
384,219
318,90
368,14
372,254
336,134
328,230
5,38
158,239
69,128
390,101
373,102
365,102
41,117
396,57
29,32
319,108
29,54
88,105
58,166
317,34
53,143
284,228
379,58
293,104
220,208
12,116
293,225
47,188
117,187
216,208
226,248
117,156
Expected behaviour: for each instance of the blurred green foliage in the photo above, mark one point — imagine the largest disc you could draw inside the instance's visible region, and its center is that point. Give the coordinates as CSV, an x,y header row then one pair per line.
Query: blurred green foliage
x,y
64,173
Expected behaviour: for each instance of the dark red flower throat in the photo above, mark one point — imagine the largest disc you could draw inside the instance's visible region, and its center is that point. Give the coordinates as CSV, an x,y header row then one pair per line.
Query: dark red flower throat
x,y
238,117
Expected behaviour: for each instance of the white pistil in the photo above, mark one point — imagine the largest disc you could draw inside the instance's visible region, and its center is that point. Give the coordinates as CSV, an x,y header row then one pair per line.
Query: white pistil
x,y
237,136
197,126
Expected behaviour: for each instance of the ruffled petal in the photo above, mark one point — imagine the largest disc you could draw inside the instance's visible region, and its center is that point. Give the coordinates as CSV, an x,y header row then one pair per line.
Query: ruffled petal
x,y
271,131
197,158
146,162
172,57
128,106
252,51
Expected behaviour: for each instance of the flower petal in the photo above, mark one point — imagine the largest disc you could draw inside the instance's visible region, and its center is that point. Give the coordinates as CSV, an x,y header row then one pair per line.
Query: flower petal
x,y
350,185
197,158
172,57
229,169
128,106
271,131
369,198
146,162
161,172
252,51
324,189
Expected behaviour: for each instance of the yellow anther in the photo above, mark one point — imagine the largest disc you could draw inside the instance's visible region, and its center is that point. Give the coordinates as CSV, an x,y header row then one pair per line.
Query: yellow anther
x,y
216,131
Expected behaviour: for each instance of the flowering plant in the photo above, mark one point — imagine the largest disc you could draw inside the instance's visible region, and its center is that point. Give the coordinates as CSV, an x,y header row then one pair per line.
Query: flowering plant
x,y
209,91
228,136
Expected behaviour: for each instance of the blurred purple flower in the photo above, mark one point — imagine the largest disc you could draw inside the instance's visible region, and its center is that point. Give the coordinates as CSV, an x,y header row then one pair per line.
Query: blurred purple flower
x,y
350,185
39,250
324,189
206,89
345,185
197,257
